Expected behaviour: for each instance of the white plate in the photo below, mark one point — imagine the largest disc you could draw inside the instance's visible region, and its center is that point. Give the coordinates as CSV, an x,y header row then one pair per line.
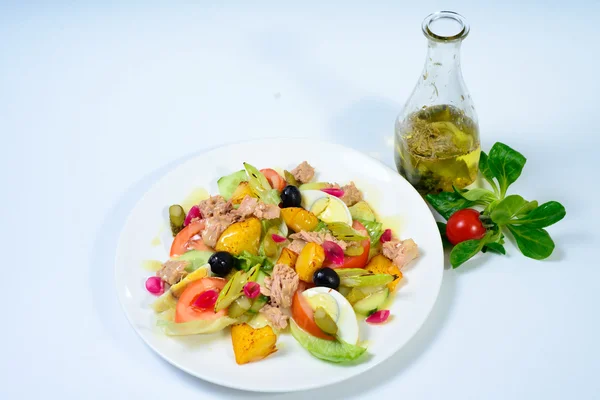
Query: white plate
x,y
211,357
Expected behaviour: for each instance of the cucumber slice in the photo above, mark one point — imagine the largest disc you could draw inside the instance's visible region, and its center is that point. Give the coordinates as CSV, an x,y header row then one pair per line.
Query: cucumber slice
x,y
370,304
239,307
195,258
228,184
260,279
344,290
362,210
359,293
258,303
258,321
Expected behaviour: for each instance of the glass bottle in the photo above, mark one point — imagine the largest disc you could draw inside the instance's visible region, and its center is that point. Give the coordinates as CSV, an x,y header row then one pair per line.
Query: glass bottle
x,y
437,134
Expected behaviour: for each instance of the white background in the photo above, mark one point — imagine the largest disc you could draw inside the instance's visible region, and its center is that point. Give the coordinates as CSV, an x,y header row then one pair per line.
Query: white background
x,y
98,100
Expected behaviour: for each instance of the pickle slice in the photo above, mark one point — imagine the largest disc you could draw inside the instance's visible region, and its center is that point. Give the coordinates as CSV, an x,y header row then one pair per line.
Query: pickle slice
x,y
325,322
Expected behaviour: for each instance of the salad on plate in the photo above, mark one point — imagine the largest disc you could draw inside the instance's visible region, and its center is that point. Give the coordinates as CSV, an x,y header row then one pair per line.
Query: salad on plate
x,y
274,253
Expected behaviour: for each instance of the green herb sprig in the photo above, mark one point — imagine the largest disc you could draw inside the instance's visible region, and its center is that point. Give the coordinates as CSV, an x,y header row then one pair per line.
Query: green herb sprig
x,y
501,213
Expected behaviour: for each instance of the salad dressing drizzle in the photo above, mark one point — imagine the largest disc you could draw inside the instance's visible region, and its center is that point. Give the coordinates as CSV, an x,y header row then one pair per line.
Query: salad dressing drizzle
x,y
195,197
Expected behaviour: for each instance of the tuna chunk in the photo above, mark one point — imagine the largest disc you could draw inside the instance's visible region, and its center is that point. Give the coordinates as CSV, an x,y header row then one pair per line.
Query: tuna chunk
x,y
297,245
219,214
214,206
303,172
251,206
264,290
172,271
215,226
351,194
247,207
267,211
318,238
282,285
275,316
400,252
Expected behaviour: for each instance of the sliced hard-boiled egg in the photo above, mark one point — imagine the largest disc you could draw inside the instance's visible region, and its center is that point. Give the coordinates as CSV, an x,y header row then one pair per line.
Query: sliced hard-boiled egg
x,y
345,318
326,207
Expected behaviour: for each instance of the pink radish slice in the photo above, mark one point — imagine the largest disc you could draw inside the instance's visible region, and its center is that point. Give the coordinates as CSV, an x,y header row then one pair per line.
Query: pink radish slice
x,y
334,192
333,252
386,236
193,213
378,317
277,238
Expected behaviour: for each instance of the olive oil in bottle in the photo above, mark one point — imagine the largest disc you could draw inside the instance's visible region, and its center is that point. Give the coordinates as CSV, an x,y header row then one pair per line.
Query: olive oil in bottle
x,y
436,148
436,134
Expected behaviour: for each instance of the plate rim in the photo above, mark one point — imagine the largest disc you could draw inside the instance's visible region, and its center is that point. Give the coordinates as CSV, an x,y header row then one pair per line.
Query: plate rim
x,y
190,158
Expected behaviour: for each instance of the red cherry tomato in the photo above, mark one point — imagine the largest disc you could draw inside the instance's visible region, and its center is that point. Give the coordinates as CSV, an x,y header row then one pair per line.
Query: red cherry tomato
x,y
464,225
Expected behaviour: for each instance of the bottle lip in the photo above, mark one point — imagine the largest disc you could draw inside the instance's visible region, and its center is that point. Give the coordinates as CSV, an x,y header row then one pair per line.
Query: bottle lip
x,y
463,28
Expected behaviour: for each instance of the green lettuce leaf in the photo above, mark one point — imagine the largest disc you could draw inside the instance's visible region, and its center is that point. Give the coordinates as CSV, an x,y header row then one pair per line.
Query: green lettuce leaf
x,y
247,260
374,228
321,226
330,350
195,327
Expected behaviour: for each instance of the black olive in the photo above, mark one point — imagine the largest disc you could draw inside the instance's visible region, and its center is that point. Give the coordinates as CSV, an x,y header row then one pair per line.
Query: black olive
x,y
326,277
290,197
221,263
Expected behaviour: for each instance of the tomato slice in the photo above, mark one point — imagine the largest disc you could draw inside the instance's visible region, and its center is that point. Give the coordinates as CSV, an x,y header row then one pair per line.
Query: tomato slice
x,y
182,239
303,315
198,245
302,286
275,180
356,261
186,311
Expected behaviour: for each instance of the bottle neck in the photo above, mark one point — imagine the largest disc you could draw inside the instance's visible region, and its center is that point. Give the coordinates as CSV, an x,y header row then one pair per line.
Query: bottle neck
x,y
442,81
444,56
